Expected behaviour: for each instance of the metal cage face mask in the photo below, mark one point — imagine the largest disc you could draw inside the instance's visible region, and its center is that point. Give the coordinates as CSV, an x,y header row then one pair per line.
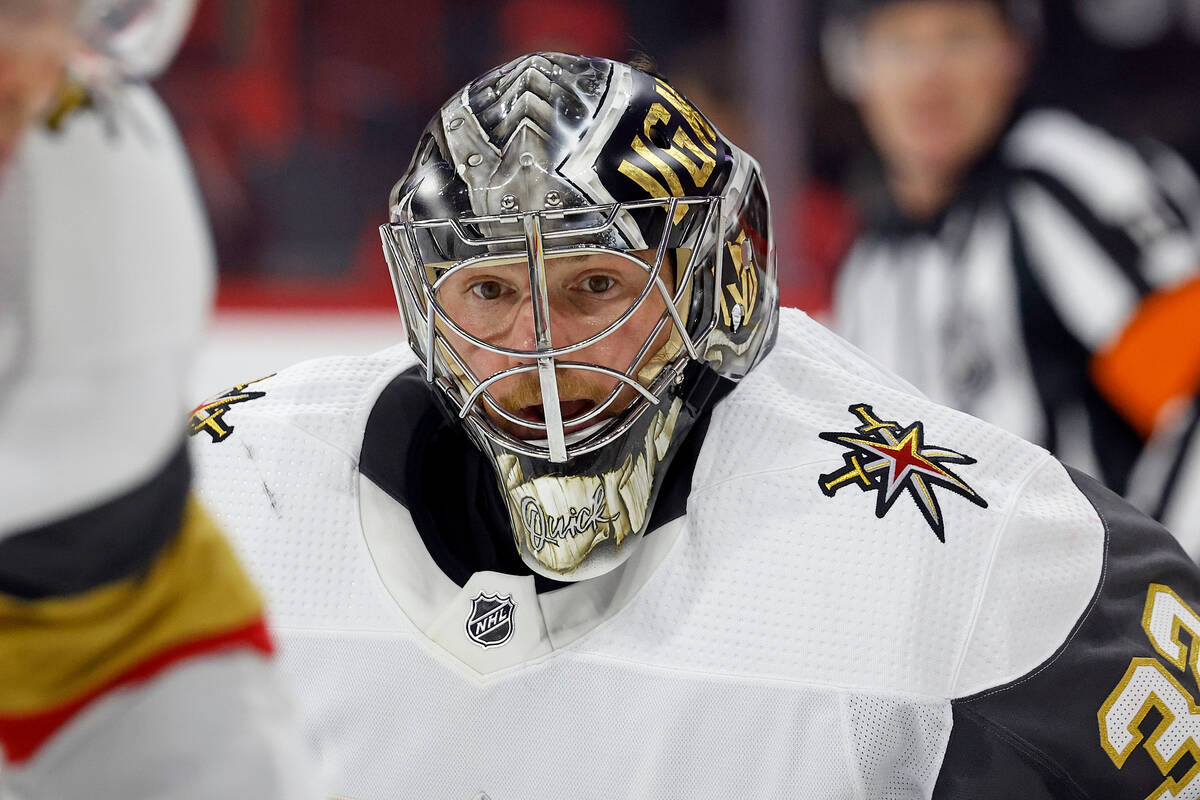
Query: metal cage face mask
x,y
567,289
547,290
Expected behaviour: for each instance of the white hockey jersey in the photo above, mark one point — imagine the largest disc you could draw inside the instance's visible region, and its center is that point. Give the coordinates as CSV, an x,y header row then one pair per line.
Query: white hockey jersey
x,y
134,659
106,274
859,594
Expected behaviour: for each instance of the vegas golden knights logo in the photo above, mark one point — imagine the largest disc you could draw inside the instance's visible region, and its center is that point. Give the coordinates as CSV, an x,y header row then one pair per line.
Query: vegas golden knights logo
x,y
209,416
739,298
888,458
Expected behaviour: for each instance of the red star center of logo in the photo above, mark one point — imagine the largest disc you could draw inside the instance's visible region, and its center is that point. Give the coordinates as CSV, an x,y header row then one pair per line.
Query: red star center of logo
x,y
904,458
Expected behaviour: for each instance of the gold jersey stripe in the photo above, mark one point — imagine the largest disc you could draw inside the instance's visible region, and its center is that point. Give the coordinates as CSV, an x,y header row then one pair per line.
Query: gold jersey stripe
x,y
56,650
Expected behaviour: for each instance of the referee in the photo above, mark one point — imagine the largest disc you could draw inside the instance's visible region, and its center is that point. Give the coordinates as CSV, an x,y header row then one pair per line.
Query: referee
x,y
1020,264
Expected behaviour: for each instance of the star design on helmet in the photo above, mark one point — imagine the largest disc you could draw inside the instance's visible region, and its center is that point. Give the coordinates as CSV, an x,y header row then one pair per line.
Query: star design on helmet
x,y
889,458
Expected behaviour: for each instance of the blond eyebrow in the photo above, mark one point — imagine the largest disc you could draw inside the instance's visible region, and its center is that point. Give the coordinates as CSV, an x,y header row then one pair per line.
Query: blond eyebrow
x,y
569,259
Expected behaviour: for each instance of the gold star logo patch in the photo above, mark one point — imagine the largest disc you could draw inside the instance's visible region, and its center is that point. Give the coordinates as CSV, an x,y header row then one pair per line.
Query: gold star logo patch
x,y
888,458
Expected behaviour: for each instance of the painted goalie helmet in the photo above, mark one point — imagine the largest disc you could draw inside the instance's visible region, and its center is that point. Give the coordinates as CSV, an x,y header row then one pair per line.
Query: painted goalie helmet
x,y
581,259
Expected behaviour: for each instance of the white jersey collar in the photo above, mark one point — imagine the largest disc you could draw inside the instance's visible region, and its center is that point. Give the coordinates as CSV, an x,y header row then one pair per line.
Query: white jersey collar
x,y
495,620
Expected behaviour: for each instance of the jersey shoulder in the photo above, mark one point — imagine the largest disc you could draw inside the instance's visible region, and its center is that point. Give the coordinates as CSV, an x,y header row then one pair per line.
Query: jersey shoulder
x,y
925,529
811,384
1101,716
800,334
324,399
276,463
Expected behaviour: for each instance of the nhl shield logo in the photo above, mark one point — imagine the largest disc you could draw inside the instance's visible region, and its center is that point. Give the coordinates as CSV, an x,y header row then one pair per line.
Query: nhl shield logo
x,y
490,623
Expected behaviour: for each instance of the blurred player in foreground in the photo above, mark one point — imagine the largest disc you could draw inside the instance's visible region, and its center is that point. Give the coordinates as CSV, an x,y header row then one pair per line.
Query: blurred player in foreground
x,y
612,524
134,660
1018,264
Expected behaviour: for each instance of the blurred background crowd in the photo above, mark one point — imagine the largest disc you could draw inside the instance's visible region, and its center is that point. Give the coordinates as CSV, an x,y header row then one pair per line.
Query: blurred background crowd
x,y
298,114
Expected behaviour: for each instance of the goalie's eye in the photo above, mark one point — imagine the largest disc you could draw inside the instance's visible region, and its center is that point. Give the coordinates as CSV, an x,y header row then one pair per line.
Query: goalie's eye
x,y
488,290
598,284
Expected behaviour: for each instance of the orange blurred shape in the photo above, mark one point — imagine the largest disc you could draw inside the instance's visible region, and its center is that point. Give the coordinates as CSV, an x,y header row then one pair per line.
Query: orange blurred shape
x,y
1156,359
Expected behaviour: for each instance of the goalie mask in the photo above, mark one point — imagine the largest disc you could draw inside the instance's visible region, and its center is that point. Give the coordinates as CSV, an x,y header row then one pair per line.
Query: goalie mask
x,y
580,259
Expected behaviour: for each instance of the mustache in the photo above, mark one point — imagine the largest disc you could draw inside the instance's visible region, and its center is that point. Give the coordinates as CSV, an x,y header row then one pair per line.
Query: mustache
x,y
527,391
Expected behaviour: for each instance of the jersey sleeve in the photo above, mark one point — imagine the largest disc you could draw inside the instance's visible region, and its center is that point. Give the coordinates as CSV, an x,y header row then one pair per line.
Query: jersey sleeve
x,y
130,638
1110,233
134,654
1111,712
101,313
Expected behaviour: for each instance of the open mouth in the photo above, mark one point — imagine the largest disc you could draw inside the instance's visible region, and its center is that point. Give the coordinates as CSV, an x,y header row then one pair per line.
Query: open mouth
x,y
570,409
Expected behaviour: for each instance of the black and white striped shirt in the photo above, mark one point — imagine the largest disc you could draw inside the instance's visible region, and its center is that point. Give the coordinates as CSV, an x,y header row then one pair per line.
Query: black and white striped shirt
x,y
1017,303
